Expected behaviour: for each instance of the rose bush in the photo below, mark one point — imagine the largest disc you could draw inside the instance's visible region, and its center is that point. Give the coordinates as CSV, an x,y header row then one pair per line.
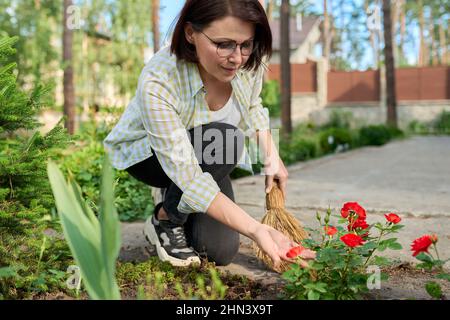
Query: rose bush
x,y
420,248
343,254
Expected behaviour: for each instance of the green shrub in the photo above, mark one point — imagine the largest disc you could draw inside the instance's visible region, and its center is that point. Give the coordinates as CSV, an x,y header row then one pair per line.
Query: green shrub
x,y
271,98
93,131
298,149
442,123
339,119
374,135
395,132
340,269
304,149
33,263
30,261
418,127
132,198
334,139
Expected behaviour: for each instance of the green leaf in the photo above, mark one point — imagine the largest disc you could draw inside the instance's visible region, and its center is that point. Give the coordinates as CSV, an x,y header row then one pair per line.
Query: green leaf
x,y
342,220
426,265
327,255
395,246
379,226
339,265
444,276
7,272
396,227
110,225
85,208
423,257
369,245
313,295
434,289
384,276
317,266
391,240
84,236
381,261
382,246
321,287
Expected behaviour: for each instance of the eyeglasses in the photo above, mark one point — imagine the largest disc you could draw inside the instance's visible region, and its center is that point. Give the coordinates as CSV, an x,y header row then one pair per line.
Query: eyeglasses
x,y
227,48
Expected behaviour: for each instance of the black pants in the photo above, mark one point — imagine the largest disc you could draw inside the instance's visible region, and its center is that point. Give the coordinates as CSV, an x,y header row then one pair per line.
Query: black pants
x,y
216,241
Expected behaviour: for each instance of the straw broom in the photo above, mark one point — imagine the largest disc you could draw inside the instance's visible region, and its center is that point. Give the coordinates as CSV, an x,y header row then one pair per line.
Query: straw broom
x,y
280,219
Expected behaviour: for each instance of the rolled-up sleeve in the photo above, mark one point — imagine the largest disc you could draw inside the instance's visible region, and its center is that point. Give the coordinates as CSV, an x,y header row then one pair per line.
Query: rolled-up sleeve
x,y
170,143
259,116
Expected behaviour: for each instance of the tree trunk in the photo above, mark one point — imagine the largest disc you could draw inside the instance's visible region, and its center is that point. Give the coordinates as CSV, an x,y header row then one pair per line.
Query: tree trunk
x,y
422,46
326,33
402,29
373,40
285,54
155,25
270,9
395,12
442,43
69,89
390,65
379,36
85,76
433,45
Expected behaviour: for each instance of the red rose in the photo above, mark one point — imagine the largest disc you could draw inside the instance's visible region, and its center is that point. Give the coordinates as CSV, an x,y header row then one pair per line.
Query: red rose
x,y
354,207
358,223
331,231
352,240
422,244
393,218
294,252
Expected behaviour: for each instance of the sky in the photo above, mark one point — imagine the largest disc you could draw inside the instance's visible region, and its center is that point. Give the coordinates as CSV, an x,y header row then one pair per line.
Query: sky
x,y
169,11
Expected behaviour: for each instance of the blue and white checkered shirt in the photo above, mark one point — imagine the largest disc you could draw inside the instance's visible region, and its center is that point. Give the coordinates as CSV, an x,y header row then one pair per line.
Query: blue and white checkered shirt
x,y
169,99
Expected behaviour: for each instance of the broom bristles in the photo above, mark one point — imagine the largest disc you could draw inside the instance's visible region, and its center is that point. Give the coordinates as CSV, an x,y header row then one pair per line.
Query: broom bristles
x,y
282,220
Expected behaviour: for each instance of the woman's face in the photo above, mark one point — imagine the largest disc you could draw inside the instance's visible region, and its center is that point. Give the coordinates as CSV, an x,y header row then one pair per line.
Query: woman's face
x,y
227,29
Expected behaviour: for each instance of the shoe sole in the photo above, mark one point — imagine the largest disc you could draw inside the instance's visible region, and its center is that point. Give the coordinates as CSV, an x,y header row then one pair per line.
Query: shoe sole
x,y
152,237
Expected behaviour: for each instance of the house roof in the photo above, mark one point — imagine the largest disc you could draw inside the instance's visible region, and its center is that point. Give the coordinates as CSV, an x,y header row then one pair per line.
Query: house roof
x,y
296,37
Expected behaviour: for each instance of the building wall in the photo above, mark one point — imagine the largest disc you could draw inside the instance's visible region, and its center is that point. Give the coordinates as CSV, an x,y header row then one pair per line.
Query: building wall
x,y
307,48
303,76
306,51
424,83
372,113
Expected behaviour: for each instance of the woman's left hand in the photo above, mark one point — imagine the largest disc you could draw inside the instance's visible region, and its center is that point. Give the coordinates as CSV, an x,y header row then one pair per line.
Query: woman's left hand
x,y
276,172
276,245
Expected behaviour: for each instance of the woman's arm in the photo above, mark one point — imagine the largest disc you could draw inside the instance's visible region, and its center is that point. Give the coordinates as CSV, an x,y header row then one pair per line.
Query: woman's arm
x,y
226,211
271,241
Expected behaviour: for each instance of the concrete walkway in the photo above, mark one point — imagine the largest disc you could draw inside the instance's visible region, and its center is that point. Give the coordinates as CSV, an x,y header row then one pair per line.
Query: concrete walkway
x,y
408,177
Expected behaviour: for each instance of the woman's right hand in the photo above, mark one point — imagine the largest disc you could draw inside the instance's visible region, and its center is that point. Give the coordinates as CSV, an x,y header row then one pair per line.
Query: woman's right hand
x,y
276,245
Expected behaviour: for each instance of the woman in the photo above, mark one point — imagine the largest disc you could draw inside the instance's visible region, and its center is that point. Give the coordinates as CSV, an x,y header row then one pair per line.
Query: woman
x,y
206,85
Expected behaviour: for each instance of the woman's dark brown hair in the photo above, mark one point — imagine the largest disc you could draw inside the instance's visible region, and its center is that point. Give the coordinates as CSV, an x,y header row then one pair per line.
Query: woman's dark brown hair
x,y
201,13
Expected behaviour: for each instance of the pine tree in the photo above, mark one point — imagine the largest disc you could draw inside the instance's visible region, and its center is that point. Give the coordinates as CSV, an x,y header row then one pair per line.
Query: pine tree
x,y
25,193
23,157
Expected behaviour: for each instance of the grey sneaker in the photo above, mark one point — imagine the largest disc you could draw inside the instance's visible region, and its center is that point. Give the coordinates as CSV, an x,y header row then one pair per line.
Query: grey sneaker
x,y
170,242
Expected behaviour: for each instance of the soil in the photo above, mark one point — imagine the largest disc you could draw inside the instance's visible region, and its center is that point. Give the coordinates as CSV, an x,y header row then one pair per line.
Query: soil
x,y
247,278
404,282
